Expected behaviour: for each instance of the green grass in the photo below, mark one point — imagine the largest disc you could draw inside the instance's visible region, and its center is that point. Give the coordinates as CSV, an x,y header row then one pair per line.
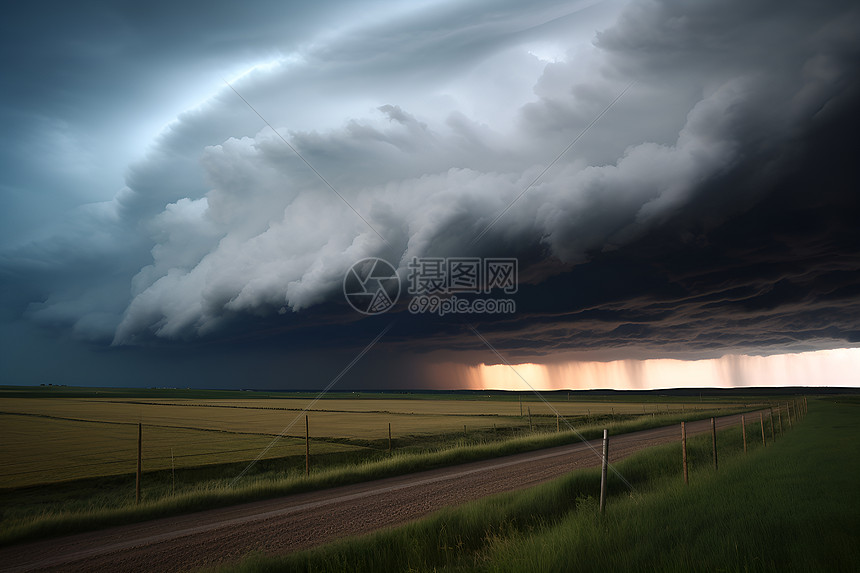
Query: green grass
x,y
792,506
67,508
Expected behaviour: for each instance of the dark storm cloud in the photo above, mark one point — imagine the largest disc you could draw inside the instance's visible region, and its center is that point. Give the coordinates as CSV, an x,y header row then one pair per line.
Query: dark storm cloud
x,y
710,210
763,257
779,275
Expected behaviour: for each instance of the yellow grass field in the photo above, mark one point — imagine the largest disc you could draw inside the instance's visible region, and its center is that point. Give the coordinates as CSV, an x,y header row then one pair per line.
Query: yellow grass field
x,y
488,407
56,439
40,450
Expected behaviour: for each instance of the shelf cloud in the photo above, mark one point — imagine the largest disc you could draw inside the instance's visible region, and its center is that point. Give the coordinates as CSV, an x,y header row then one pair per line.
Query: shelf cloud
x,y
676,181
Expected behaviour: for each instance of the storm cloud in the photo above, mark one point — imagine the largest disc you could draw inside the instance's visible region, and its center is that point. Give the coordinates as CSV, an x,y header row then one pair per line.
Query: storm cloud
x,y
707,205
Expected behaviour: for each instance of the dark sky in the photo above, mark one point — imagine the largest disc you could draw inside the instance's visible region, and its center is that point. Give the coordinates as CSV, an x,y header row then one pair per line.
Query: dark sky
x,y
154,230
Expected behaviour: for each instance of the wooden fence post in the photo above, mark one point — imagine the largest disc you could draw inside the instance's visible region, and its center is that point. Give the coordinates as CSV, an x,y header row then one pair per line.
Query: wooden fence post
x,y
761,419
530,419
684,450
772,433
779,416
714,437
788,413
389,437
603,470
307,447
139,456
744,431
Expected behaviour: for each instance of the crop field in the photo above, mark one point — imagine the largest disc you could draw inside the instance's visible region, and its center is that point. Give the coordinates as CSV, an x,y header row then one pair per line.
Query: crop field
x,y
52,439
59,439
69,455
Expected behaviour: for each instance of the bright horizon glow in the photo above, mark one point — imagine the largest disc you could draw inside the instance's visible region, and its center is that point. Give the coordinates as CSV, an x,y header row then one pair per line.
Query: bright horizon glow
x,y
837,367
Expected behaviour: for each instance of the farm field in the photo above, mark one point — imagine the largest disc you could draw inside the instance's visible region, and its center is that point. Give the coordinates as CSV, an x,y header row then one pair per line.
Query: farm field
x,y
38,450
503,406
69,455
56,439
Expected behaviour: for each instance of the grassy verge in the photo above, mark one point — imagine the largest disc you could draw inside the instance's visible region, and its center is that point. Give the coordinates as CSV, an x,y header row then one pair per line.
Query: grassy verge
x,y
79,512
794,506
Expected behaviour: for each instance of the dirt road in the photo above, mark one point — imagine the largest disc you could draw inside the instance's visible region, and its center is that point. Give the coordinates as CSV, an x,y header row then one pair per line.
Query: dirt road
x,y
303,520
